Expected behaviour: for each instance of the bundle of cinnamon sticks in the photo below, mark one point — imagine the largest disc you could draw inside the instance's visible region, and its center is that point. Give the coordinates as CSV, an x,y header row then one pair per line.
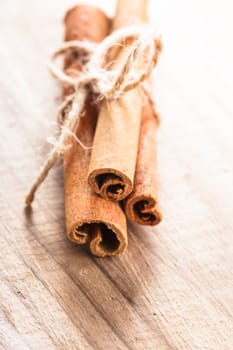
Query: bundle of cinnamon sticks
x,y
110,168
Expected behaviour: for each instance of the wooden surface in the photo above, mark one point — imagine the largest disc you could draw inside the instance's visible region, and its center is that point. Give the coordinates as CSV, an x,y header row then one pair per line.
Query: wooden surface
x,y
173,288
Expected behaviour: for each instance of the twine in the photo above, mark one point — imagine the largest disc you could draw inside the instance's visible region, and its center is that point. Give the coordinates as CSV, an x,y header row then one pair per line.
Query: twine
x,y
95,76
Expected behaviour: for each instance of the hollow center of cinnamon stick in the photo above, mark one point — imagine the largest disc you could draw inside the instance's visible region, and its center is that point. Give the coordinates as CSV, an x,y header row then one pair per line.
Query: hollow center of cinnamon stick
x,y
115,189
140,209
109,241
111,184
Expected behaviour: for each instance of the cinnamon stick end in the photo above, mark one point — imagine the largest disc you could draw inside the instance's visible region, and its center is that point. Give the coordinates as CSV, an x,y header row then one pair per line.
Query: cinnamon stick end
x,y
104,239
109,184
80,27
107,241
143,210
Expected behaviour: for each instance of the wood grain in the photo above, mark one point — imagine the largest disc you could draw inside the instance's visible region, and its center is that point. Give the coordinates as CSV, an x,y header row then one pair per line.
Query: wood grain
x,y
173,288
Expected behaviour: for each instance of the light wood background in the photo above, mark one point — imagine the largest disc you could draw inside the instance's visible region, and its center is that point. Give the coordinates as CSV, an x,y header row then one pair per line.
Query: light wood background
x,y
173,288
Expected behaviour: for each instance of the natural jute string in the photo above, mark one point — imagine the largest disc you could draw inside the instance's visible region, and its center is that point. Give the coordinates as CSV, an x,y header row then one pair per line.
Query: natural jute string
x,y
106,83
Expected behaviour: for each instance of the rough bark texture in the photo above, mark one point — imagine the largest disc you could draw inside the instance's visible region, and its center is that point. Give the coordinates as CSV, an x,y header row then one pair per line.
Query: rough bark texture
x,y
113,160
141,205
89,218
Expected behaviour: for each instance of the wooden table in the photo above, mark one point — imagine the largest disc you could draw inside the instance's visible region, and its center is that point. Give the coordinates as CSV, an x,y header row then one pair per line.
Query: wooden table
x,y
173,288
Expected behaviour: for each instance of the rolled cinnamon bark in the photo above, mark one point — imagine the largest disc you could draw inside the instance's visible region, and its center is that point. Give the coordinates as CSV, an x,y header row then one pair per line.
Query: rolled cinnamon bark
x,y
84,23
113,160
141,205
89,218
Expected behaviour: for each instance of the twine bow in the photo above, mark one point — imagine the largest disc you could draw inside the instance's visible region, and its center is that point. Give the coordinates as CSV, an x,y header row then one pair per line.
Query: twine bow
x,y
106,83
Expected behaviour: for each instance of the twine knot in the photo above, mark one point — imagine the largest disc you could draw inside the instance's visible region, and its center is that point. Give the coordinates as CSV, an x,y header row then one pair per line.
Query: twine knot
x,y
138,50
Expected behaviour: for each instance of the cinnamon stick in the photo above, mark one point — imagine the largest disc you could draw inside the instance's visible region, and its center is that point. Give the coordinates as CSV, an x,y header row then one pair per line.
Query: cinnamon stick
x,y
113,161
90,219
141,205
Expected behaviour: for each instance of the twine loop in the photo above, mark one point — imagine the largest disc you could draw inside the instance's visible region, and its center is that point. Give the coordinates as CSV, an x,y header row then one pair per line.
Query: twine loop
x,y
138,49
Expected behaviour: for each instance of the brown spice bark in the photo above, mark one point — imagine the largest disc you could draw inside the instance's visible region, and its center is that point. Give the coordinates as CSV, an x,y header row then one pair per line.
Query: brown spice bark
x,y
113,161
89,218
141,205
